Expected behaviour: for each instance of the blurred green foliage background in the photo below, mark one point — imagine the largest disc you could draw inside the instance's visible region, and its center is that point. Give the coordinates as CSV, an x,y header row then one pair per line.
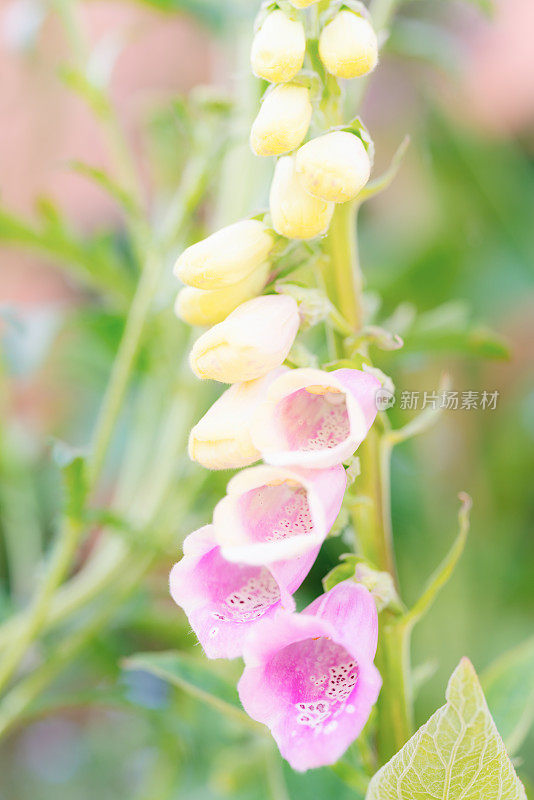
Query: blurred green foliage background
x,y
449,249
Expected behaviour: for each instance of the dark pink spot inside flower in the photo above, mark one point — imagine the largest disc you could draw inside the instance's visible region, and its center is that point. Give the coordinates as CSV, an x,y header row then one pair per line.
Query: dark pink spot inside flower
x,y
314,421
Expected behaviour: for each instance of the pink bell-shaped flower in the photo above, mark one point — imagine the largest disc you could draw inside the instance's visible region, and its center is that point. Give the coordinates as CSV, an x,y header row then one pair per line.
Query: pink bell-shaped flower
x,y
225,601
271,514
310,677
311,418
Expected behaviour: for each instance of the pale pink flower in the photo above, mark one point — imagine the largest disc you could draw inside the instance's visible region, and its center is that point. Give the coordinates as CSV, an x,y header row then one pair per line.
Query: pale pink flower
x,y
251,341
310,677
270,514
311,418
225,601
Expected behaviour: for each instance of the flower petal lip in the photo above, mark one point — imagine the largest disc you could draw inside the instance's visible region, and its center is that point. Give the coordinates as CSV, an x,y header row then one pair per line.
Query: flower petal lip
x,y
221,438
282,121
345,617
278,48
224,602
225,257
267,431
324,491
254,339
295,213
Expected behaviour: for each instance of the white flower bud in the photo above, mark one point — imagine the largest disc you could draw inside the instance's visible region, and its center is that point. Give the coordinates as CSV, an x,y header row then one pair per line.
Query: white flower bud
x,y
294,212
334,167
348,46
302,3
253,340
283,120
209,306
221,439
278,48
225,257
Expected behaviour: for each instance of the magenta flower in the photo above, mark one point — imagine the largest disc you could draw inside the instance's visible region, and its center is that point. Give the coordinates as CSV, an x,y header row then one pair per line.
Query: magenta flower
x,y
271,514
311,418
310,677
225,601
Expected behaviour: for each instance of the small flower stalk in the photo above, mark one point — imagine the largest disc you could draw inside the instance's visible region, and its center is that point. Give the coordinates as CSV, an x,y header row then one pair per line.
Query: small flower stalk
x,y
308,676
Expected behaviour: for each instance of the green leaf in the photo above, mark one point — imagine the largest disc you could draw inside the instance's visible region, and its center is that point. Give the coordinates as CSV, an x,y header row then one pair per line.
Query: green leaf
x,y
106,182
445,570
92,94
509,687
449,329
94,261
194,677
457,754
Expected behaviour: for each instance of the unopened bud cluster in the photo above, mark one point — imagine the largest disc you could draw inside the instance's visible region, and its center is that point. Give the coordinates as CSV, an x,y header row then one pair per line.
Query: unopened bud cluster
x,y
333,168
241,570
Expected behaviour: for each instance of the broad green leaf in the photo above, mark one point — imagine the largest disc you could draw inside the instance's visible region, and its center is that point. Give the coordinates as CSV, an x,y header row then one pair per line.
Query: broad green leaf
x,y
194,677
457,755
509,688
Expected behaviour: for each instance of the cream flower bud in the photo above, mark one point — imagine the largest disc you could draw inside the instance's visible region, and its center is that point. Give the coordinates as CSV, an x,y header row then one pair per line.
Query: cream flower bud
x,y
302,3
225,257
278,48
221,439
294,212
348,46
334,167
209,306
283,120
253,340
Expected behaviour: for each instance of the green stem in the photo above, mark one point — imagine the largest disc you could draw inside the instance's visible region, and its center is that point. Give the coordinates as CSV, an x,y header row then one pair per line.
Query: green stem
x,y
346,279
123,364
66,547
18,700
370,510
395,715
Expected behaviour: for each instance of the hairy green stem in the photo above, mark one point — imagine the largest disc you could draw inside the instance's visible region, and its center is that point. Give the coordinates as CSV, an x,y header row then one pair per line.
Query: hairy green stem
x,y
370,509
